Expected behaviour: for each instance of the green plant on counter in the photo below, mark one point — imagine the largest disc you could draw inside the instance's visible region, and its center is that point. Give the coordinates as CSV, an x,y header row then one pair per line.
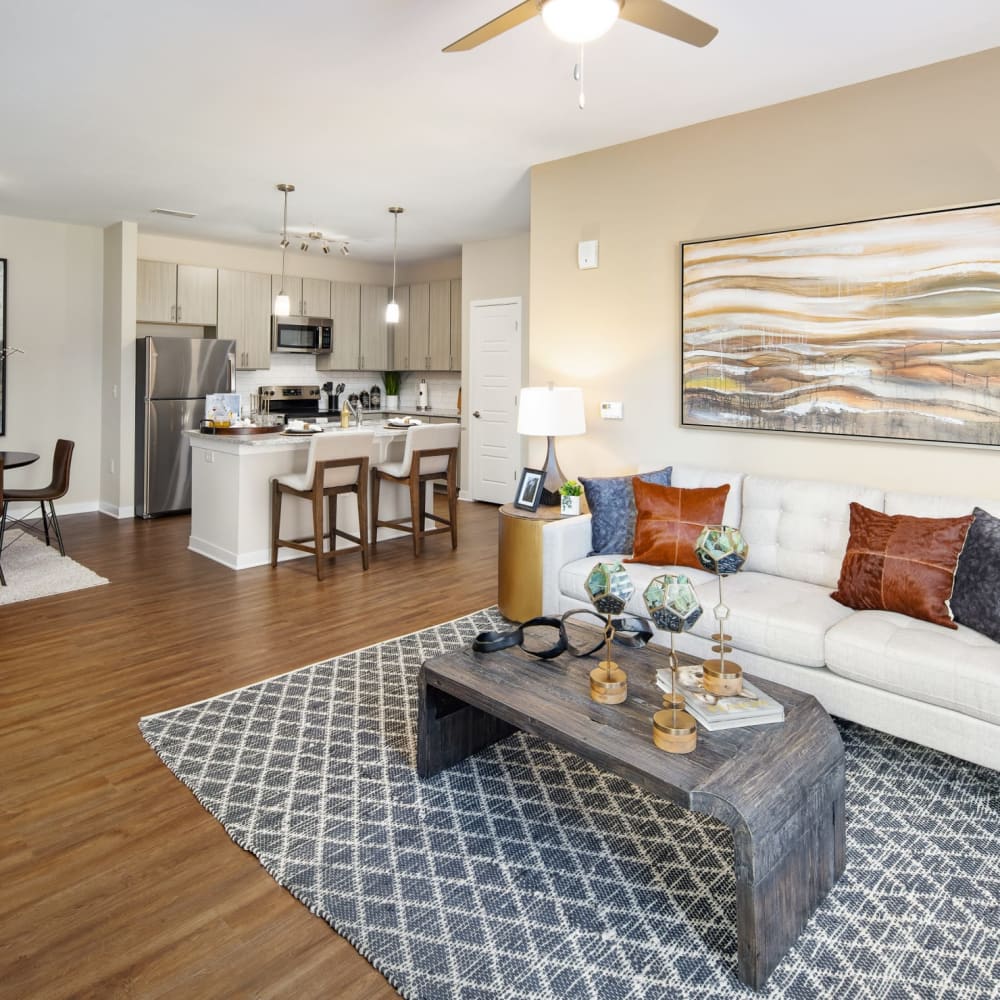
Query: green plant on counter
x,y
571,488
391,381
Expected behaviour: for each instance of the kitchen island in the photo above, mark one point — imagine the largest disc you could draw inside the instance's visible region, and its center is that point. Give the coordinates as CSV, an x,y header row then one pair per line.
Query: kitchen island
x,y
231,493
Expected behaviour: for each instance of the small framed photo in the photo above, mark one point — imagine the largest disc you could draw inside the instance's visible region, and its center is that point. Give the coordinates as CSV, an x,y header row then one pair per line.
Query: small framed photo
x,y
529,489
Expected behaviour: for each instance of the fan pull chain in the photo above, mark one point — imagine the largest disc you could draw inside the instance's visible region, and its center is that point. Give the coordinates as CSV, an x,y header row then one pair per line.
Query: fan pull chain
x,y
578,76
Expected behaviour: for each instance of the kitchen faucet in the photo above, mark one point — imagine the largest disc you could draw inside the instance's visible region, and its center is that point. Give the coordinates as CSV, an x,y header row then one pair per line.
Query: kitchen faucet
x,y
356,410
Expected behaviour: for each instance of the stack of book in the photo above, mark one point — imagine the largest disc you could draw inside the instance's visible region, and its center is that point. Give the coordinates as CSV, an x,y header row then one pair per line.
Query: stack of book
x,y
751,708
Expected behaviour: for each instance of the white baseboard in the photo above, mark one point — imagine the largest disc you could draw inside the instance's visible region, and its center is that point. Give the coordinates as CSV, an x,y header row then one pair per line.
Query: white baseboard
x,y
119,513
22,508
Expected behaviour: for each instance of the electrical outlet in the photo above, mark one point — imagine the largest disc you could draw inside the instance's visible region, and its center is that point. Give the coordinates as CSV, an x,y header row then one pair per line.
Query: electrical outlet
x,y
209,456
586,254
111,466
612,411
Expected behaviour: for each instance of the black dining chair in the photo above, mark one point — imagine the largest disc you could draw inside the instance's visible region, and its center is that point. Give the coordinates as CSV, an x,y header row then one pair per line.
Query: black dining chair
x,y
56,489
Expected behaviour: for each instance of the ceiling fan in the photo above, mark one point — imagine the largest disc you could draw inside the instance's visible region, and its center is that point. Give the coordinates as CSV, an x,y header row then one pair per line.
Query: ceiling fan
x,y
580,21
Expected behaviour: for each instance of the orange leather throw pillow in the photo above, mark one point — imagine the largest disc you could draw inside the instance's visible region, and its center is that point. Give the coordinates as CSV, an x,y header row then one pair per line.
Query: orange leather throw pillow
x,y
895,562
669,520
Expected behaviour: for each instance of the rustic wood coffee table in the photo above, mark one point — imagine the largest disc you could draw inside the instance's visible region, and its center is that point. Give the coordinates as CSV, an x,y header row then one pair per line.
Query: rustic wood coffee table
x,y
780,788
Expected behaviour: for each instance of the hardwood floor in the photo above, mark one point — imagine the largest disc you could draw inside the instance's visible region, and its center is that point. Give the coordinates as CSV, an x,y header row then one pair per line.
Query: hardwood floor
x,y
116,883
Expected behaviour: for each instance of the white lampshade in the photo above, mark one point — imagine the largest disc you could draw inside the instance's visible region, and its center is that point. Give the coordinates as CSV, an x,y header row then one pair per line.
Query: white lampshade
x,y
580,21
554,411
392,312
282,305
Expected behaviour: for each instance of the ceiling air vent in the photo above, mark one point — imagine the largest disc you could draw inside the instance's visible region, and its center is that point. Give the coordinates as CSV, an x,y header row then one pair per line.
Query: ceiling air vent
x,y
174,213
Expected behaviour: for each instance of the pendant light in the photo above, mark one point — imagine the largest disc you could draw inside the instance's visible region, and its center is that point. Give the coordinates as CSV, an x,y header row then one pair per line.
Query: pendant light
x,y
392,309
282,303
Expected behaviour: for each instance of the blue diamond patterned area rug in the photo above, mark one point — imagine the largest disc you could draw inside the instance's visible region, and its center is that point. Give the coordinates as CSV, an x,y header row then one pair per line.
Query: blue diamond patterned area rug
x,y
526,872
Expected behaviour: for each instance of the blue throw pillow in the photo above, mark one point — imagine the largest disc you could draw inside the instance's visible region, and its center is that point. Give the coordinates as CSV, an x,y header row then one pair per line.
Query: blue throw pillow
x,y
974,599
612,510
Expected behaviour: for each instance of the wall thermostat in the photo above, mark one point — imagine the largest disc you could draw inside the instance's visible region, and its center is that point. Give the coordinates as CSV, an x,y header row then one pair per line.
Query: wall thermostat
x,y
586,254
611,411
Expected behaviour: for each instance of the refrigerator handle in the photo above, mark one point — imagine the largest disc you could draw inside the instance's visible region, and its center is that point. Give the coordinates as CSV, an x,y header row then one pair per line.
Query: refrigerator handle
x,y
231,361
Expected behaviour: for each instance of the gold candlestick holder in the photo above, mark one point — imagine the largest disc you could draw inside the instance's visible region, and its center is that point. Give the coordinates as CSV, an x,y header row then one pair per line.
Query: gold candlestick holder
x,y
674,730
608,682
609,588
674,606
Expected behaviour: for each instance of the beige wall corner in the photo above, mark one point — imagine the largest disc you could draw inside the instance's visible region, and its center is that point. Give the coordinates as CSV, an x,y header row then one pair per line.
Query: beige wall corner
x,y
493,269
117,392
904,143
54,290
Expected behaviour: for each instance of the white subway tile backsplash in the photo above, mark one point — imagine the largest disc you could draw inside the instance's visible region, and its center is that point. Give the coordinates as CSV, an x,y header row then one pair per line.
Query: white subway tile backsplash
x,y
300,369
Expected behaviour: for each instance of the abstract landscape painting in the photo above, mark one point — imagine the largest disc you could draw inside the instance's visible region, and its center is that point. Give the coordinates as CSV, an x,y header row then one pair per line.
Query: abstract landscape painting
x,y
885,328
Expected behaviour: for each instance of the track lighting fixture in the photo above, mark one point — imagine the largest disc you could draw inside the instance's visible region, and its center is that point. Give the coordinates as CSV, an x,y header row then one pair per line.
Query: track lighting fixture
x,y
326,247
345,249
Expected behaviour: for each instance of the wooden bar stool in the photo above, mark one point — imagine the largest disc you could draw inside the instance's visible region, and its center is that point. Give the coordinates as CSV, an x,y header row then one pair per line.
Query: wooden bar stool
x,y
431,454
337,463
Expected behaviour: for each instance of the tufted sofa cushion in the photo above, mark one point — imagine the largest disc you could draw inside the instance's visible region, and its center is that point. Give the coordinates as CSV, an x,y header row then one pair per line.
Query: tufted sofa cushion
x,y
915,659
783,619
799,528
691,477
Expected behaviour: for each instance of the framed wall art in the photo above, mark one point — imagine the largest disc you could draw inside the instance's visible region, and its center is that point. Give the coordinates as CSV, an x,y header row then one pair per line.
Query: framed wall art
x,y
886,328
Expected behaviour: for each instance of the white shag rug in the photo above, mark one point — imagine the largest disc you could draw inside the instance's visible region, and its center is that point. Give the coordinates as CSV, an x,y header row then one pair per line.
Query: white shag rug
x,y
33,569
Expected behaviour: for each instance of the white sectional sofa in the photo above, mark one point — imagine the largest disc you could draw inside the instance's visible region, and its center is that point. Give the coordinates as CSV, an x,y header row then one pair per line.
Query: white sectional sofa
x,y
935,686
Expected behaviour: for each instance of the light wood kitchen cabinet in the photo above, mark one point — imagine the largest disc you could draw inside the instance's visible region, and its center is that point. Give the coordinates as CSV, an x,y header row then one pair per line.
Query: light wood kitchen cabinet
x,y
439,339
345,308
316,297
293,289
399,355
374,332
176,293
245,316
456,325
418,326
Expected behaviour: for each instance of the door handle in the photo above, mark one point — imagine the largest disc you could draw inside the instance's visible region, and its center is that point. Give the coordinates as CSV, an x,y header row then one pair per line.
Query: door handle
x,y
475,413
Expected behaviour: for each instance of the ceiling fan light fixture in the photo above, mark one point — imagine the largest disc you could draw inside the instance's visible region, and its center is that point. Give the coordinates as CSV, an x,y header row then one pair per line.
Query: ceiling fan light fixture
x,y
580,21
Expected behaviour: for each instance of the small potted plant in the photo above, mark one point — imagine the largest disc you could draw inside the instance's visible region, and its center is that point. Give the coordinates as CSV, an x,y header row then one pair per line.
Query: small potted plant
x,y
569,498
391,381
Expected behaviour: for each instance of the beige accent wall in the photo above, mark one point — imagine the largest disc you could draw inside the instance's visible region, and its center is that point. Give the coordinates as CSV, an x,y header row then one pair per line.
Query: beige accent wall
x,y
905,143
54,314
493,269
439,269
117,392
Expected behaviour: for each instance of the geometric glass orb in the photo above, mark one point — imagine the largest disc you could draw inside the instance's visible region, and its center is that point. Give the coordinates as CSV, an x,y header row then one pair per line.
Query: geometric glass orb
x,y
672,603
609,588
721,549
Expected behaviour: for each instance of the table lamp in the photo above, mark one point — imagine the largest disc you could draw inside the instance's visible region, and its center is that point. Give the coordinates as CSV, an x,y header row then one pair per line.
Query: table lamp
x,y
674,606
552,411
722,550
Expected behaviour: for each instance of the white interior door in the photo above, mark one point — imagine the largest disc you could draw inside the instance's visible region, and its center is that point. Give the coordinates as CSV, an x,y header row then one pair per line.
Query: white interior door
x,y
494,384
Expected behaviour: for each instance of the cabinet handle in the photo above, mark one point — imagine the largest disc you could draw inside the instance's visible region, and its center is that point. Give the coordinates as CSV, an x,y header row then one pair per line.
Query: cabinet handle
x,y
178,314
173,313
305,311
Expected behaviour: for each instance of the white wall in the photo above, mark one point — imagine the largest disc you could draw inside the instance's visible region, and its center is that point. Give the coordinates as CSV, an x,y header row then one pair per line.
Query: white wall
x,y
905,143
54,314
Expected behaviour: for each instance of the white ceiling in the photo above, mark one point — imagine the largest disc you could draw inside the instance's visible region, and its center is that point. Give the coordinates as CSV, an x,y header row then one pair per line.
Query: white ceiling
x,y
111,108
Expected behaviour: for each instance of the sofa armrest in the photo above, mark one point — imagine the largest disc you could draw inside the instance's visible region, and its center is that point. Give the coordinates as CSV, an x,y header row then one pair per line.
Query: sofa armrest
x,y
562,542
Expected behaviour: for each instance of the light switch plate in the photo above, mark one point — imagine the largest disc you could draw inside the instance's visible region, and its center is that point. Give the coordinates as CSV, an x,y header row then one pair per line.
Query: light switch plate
x,y
612,411
586,254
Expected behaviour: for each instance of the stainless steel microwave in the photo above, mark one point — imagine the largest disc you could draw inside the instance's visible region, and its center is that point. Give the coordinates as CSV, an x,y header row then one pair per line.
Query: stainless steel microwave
x,y
301,335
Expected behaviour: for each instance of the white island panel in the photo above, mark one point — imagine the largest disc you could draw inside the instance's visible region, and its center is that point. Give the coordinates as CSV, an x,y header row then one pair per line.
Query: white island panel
x,y
231,495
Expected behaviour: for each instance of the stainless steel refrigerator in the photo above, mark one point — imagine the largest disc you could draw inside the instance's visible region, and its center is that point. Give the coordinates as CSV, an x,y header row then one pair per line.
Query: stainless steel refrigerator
x,y
172,377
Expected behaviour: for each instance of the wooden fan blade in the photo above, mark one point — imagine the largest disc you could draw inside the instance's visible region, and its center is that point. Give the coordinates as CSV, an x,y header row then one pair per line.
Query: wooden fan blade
x,y
515,16
668,20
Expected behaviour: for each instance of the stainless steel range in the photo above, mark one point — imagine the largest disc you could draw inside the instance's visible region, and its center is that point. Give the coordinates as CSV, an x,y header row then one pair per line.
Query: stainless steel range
x,y
291,401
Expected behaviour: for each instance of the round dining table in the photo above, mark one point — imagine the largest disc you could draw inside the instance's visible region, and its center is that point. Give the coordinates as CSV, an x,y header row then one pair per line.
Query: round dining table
x,y
15,459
